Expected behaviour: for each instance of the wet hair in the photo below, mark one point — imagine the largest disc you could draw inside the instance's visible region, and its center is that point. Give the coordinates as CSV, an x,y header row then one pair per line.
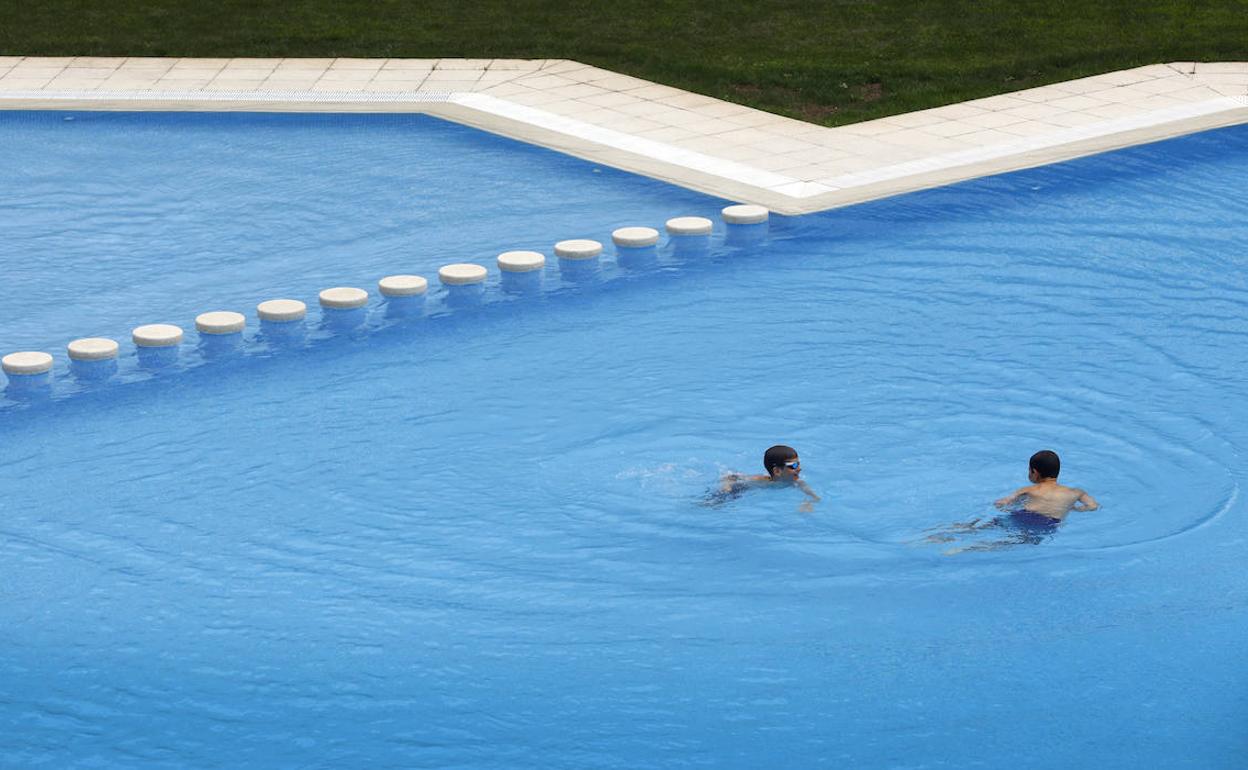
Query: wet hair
x,y
1046,463
776,456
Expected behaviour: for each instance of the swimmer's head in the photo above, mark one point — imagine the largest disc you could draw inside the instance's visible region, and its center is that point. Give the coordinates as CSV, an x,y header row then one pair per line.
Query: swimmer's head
x,y
1044,464
781,462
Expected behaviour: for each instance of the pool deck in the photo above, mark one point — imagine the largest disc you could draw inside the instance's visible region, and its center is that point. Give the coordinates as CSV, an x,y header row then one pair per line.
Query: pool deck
x,y
718,147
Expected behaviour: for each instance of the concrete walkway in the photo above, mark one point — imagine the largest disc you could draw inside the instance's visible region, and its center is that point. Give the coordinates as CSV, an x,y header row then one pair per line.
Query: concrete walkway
x,y
692,140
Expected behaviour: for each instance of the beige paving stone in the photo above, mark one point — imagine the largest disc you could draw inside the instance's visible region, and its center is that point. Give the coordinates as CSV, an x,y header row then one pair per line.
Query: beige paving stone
x,y
988,138
700,143
400,75
232,86
454,75
756,119
1074,119
616,82
1074,102
641,108
1196,94
711,126
63,83
542,81
655,92
221,83
778,163
393,86
104,62
743,135
318,65
566,67
569,108
1002,102
348,76
200,64
494,77
1221,68
609,99
390,65
1036,111
991,120
532,97
9,60
1030,128
10,83
948,128
146,64
1164,85
786,127
463,64
50,61
443,86
517,65
1042,94
742,153
128,82
666,134
1223,80
180,84
630,125
369,65
508,89
578,91
1113,111
30,72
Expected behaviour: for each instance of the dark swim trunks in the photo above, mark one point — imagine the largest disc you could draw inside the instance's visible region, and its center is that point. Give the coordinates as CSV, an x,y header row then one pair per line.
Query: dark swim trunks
x,y
719,496
1028,526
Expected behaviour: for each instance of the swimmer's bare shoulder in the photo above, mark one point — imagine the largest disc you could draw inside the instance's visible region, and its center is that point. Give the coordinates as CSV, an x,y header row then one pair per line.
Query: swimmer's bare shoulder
x,y
1050,499
732,481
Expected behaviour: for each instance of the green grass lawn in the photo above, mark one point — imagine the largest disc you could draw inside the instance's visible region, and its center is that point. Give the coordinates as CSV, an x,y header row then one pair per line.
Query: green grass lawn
x,y
828,62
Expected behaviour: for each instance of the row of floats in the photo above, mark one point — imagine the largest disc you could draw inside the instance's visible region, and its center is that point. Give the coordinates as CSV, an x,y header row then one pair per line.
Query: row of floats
x,y
519,271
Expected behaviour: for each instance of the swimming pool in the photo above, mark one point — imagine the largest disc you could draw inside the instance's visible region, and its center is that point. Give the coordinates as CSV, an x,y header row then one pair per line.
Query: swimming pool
x,y
476,539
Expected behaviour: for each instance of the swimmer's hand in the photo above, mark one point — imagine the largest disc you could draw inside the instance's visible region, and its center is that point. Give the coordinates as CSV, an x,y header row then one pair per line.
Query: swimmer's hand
x,y
807,506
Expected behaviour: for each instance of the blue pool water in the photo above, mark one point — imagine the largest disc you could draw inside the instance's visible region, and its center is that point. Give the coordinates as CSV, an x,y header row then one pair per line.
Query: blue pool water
x,y
476,539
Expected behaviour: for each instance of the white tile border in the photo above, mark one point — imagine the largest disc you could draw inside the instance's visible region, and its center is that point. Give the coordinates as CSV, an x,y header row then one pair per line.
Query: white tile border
x,y
693,140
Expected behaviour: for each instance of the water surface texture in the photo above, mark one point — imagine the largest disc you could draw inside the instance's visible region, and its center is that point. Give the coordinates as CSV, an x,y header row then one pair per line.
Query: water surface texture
x,y
477,538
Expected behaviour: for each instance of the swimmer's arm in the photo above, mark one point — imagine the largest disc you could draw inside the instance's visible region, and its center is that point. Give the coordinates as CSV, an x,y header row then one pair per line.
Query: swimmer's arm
x,y
1011,498
802,485
1086,502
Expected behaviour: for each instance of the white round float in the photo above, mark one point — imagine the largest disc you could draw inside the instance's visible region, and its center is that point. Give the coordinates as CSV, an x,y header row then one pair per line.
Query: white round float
x,y
521,261
461,274
521,270
220,322
281,310
156,336
402,286
745,214
578,249
92,349
635,237
26,363
685,227
343,298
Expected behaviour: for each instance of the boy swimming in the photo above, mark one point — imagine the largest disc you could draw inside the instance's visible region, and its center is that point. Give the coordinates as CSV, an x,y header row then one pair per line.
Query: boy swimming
x,y
784,468
1033,512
